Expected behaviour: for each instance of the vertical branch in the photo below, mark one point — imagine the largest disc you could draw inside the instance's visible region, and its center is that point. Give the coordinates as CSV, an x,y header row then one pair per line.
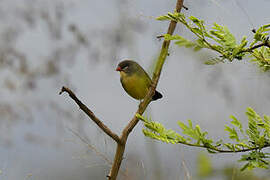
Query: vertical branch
x,y
143,105
122,140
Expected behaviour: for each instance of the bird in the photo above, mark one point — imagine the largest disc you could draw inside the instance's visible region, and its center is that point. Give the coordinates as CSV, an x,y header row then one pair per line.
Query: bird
x,y
135,81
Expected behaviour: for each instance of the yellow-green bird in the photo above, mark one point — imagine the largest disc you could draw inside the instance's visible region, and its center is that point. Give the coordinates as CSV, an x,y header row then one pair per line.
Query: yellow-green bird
x,y
135,80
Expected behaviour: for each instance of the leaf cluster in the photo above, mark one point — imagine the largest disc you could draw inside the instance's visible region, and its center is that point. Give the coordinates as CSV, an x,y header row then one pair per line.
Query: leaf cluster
x,y
261,57
252,139
219,39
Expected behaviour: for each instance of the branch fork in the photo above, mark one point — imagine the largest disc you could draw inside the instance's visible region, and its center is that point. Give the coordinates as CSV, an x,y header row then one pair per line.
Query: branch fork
x,y
122,140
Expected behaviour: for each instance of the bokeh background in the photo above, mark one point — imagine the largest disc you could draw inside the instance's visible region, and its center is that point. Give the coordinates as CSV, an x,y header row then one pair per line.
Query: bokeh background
x,y
46,44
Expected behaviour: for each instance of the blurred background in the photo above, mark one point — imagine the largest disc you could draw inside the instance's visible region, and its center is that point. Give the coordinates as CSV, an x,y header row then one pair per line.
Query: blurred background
x,y
47,44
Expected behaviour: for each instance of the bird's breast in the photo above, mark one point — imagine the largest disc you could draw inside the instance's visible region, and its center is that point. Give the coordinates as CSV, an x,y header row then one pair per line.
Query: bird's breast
x,y
135,85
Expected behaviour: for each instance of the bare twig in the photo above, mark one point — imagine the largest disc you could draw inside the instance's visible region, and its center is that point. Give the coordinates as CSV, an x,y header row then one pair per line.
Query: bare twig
x,y
90,114
185,168
103,156
188,177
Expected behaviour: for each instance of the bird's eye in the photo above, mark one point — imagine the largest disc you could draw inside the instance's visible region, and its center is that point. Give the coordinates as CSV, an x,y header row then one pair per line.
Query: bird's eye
x,y
125,68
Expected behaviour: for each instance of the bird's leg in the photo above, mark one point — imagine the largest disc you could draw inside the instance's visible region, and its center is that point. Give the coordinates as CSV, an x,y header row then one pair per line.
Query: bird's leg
x,y
140,101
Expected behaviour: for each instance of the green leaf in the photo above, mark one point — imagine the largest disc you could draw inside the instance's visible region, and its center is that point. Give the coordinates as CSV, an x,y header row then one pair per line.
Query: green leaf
x,y
189,130
236,123
254,159
232,133
140,117
163,18
229,146
179,17
261,57
245,167
214,61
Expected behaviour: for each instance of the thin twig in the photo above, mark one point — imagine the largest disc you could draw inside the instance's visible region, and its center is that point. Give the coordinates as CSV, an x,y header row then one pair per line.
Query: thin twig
x,y
103,156
265,43
90,114
217,150
185,168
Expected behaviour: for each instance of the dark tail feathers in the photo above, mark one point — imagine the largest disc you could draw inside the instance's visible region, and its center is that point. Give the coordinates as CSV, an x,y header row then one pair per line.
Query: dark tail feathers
x,y
156,96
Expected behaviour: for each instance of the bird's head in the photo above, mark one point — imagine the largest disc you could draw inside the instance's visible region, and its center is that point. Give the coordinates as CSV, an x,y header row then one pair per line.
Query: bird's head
x,y
127,66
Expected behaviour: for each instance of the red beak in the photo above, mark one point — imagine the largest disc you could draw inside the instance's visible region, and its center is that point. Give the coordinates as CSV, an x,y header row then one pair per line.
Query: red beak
x,y
118,69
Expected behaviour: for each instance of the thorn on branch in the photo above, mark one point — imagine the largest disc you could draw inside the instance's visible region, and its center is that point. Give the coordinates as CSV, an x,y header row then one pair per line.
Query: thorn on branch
x,y
62,90
186,8
160,37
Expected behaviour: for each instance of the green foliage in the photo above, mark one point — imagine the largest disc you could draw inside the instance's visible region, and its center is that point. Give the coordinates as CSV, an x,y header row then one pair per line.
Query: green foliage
x,y
157,131
218,38
181,41
259,128
261,34
214,61
232,133
253,139
195,133
255,159
261,57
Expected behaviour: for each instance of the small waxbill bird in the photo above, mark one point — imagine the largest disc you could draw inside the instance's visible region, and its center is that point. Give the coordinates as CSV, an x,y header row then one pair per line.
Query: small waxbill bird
x,y
135,80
